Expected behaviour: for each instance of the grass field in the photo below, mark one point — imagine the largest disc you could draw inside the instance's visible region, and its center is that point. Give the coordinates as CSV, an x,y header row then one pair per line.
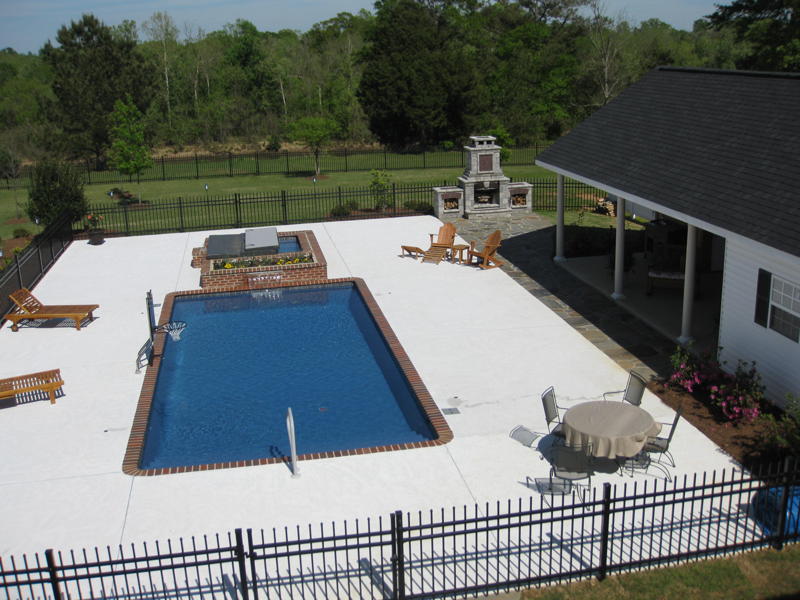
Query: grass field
x,y
296,163
751,575
153,191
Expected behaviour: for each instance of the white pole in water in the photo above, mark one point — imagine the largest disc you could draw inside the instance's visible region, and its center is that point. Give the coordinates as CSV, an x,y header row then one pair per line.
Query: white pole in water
x,y
292,442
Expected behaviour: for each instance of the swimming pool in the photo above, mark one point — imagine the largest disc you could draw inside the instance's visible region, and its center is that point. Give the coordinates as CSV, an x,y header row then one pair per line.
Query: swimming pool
x,y
218,397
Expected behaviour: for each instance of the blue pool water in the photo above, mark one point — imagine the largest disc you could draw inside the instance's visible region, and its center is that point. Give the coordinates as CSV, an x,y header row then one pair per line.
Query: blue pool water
x,y
288,243
224,388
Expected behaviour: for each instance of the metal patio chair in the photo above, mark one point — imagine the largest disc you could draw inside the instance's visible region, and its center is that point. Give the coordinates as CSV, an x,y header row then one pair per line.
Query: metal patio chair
x,y
633,391
571,465
660,445
551,414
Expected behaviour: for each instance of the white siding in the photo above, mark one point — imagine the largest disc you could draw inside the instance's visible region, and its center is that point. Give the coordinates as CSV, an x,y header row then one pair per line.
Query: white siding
x,y
777,357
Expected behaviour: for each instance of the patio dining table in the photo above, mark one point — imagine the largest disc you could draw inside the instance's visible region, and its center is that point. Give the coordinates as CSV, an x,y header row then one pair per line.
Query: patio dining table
x,y
611,428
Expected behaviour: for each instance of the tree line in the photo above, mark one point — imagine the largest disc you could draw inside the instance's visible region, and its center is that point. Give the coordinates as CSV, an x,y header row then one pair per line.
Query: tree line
x,y
411,73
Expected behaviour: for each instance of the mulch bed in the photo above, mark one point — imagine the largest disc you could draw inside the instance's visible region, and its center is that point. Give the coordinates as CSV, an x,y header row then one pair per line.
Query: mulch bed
x,y
743,441
10,244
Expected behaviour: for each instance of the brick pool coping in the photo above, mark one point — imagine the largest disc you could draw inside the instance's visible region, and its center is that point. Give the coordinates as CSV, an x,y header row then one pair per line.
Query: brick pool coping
x,y
130,464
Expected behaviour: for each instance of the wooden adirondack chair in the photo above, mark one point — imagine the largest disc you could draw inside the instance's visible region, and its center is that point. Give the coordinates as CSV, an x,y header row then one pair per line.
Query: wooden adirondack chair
x,y
29,308
440,246
486,256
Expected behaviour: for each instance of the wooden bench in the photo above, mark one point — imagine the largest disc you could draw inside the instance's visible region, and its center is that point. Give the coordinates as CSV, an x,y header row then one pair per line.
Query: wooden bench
x,y
29,308
45,381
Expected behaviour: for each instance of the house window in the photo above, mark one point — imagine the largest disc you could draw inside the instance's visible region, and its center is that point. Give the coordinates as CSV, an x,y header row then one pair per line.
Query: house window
x,y
778,305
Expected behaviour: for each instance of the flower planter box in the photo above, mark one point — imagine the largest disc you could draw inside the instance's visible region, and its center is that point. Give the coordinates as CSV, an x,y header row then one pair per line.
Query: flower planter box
x,y
305,265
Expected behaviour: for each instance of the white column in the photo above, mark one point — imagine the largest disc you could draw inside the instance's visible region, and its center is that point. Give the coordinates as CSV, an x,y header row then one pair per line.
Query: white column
x,y
688,285
619,252
559,257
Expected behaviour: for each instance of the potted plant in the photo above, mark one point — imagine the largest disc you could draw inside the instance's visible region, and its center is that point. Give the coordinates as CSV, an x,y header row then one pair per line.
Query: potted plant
x,y
95,229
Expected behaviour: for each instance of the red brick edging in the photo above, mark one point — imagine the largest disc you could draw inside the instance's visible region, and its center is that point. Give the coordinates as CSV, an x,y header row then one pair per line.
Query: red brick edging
x,y
130,464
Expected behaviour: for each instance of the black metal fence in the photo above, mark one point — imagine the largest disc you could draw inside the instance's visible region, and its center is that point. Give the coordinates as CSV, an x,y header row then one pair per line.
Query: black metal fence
x,y
27,267
228,164
493,547
283,207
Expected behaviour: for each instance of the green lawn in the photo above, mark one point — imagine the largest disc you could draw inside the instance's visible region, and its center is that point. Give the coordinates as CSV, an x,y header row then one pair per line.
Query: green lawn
x,y
153,191
589,219
751,575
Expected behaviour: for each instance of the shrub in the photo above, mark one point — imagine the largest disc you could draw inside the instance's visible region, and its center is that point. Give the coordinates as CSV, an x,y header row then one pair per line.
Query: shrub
x,y
379,188
784,432
340,210
21,232
56,188
420,206
274,144
739,396
736,397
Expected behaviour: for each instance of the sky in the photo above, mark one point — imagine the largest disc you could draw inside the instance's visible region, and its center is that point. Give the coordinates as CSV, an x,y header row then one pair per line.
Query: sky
x,y
25,25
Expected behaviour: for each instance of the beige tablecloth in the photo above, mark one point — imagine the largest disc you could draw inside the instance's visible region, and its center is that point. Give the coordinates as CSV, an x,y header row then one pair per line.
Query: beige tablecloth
x,y
613,428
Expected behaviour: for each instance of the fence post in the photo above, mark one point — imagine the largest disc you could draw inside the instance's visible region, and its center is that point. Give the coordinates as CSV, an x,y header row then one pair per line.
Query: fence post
x,y
424,162
163,170
196,167
394,197
384,159
781,526
602,568
51,569
339,194
345,160
230,164
286,153
258,167
237,205
180,213
127,222
242,569
19,271
398,561
252,556
283,203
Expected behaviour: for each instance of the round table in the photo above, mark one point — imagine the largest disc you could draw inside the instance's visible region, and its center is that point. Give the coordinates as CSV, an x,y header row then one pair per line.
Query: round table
x,y
612,428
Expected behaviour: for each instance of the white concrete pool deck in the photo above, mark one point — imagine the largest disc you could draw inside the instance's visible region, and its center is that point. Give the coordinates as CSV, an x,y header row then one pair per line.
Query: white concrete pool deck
x,y
481,343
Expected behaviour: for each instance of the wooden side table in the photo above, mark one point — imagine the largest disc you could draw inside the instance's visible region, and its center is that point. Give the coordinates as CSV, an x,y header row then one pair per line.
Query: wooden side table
x,y
458,249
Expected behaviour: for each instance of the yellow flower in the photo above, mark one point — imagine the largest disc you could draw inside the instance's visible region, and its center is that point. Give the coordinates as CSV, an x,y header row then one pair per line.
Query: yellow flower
x,y
228,266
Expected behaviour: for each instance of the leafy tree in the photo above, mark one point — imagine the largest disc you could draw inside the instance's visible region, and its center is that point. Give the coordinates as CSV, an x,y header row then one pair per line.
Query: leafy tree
x,y
92,68
161,28
314,132
771,28
56,188
411,87
9,165
129,153
379,186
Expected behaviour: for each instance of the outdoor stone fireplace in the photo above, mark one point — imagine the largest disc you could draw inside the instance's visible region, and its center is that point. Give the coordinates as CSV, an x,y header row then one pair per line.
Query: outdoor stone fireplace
x,y
483,188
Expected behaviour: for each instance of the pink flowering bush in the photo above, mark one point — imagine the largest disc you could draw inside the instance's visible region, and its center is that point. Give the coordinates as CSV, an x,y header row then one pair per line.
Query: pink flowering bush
x,y
739,396
691,372
736,397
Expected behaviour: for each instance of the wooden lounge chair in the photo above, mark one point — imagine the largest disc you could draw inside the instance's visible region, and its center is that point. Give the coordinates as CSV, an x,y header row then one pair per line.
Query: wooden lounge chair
x,y
29,308
486,257
46,381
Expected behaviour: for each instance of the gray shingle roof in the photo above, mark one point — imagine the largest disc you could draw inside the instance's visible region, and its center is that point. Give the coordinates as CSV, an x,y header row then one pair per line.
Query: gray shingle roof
x,y
721,146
